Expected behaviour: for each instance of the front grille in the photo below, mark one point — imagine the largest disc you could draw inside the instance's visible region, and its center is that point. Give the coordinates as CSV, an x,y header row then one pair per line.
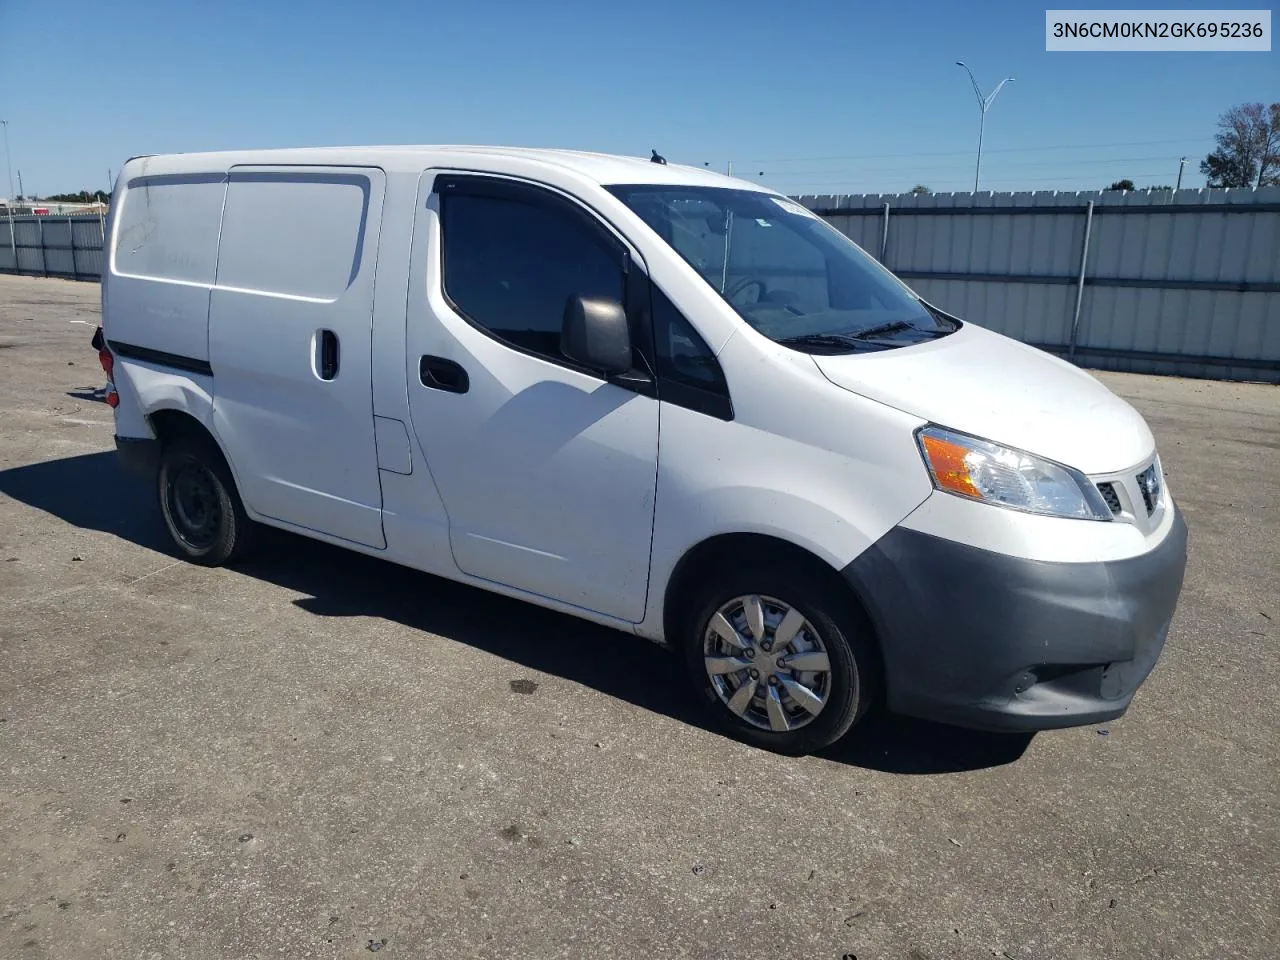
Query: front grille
x,y
1149,484
1108,491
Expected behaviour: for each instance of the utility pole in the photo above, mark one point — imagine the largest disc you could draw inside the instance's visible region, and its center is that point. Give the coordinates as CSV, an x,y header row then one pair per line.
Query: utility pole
x,y
984,104
8,204
1181,163
8,164
21,192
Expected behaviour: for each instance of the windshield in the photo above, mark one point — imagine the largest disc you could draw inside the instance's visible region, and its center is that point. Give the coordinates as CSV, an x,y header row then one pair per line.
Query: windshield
x,y
789,274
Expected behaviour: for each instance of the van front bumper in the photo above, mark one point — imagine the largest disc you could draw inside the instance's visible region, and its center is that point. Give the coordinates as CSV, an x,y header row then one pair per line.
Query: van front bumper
x,y
985,640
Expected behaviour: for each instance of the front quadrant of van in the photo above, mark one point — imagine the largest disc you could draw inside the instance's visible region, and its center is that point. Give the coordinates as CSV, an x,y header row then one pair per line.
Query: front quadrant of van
x,y
163,262
290,328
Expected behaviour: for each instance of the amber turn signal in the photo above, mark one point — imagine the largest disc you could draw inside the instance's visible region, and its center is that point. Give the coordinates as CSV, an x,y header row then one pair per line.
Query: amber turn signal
x,y
946,460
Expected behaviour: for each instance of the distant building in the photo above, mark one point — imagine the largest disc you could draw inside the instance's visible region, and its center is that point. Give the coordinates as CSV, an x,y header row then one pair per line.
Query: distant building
x,y
49,208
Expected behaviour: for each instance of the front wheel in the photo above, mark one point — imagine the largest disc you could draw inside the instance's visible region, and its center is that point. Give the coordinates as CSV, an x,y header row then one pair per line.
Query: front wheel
x,y
783,660
201,507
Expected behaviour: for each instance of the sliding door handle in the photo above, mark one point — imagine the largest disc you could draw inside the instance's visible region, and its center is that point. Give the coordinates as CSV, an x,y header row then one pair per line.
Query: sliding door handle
x,y
327,359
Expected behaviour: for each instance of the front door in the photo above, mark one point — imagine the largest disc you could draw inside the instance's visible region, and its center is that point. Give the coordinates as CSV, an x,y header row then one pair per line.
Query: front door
x,y
547,471
290,330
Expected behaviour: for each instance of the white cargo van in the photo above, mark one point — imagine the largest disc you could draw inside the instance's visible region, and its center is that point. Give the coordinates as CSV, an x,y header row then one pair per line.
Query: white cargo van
x,y
646,395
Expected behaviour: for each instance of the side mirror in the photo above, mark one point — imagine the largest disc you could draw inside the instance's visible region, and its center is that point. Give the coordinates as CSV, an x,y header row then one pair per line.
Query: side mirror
x,y
594,333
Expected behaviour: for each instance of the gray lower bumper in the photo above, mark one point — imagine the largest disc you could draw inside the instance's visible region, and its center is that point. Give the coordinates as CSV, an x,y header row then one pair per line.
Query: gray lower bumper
x,y
985,640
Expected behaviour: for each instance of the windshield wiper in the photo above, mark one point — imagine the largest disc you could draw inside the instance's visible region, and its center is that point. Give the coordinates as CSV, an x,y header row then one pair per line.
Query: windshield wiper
x,y
840,341
868,339
893,326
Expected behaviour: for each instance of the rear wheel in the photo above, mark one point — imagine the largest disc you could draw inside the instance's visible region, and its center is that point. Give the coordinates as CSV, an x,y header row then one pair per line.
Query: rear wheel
x,y
783,660
201,507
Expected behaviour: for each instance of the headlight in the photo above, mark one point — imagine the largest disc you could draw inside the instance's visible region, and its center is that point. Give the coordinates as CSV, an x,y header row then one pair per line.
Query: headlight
x,y
981,470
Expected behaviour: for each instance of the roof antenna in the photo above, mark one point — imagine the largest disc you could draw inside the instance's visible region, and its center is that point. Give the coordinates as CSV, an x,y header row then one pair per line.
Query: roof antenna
x,y
657,157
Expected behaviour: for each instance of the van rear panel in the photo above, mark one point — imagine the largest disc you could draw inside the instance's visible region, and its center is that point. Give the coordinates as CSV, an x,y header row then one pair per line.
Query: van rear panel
x,y
162,263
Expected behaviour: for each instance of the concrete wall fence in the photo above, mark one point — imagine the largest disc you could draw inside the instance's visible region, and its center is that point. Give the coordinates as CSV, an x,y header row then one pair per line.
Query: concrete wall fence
x,y
1184,282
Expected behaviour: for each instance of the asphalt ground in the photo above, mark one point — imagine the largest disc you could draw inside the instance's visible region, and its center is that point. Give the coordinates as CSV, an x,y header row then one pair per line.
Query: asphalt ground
x,y
319,754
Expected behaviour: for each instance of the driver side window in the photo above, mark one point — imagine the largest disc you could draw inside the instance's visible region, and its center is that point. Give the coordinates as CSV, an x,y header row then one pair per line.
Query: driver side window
x,y
510,265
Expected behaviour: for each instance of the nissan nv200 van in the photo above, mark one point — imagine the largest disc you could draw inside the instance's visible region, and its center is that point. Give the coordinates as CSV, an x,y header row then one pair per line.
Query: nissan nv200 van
x,y
646,395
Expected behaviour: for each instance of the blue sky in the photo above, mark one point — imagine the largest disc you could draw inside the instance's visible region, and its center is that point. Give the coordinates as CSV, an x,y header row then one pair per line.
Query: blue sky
x,y
841,97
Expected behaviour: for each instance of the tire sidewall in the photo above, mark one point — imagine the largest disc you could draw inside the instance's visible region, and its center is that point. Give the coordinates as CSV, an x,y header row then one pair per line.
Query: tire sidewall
x,y
835,621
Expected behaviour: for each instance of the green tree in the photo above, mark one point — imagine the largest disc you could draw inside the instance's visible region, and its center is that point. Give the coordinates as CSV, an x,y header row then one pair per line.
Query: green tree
x,y
84,196
1122,185
1248,153
920,190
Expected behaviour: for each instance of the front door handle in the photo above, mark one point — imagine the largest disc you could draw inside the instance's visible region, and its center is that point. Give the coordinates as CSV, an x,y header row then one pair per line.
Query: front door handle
x,y
439,373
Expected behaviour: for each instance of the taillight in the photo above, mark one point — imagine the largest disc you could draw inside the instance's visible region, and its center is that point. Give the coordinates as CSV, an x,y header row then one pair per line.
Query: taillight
x,y
108,367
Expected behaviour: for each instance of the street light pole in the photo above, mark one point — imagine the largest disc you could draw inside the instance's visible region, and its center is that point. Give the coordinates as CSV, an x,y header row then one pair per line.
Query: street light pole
x,y
1181,163
984,104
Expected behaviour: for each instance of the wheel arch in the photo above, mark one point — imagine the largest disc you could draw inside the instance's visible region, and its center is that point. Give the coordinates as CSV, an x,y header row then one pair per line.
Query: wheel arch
x,y
729,549
171,423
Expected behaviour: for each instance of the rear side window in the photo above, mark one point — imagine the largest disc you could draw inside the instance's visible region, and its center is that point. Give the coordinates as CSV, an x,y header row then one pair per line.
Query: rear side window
x,y
167,228
296,234
510,265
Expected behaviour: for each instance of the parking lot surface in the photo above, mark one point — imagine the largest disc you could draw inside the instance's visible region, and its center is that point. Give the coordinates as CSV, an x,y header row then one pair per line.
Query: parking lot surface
x,y
321,754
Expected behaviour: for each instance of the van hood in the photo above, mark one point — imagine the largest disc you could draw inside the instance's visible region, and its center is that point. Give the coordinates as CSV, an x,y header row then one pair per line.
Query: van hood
x,y
990,386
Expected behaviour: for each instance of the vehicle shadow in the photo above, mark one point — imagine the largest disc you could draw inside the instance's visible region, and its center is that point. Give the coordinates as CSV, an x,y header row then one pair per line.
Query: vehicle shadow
x,y
92,493
98,394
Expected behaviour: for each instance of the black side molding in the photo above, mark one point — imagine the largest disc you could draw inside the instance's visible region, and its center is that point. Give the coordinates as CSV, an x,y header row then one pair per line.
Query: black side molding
x,y
161,359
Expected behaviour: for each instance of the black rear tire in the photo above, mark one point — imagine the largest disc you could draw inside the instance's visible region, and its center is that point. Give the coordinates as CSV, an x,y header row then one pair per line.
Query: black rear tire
x,y
201,507
843,630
